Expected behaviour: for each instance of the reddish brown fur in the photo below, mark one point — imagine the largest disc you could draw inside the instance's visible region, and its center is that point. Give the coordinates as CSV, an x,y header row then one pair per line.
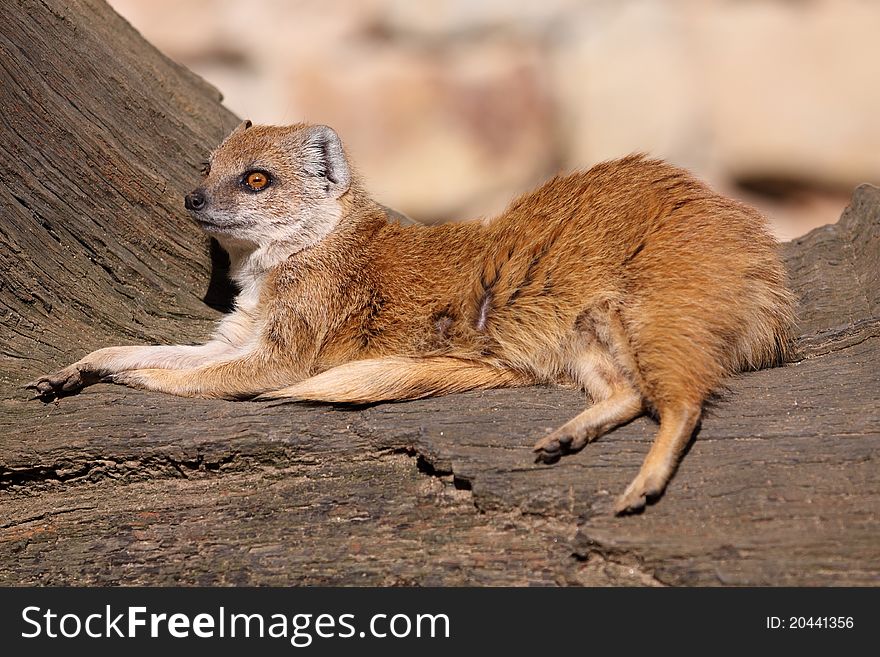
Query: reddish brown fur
x,y
632,280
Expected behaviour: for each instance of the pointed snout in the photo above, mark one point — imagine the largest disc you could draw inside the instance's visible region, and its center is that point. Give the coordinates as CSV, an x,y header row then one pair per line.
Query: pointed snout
x,y
195,200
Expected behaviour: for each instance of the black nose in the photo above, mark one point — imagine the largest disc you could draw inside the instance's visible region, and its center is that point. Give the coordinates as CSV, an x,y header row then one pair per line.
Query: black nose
x,y
195,201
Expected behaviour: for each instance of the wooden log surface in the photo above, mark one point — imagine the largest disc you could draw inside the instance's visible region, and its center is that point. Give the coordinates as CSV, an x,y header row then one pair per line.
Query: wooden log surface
x,y
101,137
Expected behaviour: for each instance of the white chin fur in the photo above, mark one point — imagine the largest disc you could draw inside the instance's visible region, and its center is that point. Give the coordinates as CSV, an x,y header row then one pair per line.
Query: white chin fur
x,y
256,242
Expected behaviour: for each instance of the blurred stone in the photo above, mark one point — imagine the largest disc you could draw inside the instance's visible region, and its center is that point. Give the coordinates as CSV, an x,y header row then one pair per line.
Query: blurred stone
x,y
798,97
444,19
450,108
437,132
624,76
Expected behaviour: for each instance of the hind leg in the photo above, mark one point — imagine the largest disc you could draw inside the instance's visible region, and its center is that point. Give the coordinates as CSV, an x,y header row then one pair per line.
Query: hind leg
x,y
593,366
621,406
677,425
680,362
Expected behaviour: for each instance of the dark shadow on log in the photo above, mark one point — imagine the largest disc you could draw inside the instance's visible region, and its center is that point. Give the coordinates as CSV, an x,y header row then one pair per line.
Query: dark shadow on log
x,y
221,289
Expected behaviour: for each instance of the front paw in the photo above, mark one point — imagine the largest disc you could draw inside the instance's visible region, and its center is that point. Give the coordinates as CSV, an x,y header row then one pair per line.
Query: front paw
x,y
65,382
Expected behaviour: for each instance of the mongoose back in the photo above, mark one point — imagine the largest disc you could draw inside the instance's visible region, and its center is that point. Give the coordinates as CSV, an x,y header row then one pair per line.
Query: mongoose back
x,y
632,281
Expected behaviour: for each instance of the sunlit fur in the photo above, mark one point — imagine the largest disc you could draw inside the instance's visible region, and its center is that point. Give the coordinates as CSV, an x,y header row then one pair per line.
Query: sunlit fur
x,y
632,281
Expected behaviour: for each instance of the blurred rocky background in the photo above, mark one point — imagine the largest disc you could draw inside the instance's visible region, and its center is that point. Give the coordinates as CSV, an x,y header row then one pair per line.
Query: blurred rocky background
x,y
451,107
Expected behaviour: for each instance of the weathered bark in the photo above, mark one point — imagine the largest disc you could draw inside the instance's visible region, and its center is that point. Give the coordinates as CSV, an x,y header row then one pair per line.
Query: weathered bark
x,y
101,137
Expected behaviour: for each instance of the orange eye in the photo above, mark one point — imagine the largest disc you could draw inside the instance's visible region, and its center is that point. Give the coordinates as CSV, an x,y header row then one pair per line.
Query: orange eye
x,y
256,180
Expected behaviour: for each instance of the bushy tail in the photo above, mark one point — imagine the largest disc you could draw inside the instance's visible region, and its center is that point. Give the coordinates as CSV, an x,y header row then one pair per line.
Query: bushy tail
x,y
770,338
398,378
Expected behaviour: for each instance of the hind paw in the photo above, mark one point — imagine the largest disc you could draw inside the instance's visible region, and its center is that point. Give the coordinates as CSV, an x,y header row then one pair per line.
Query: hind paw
x,y
643,489
554,445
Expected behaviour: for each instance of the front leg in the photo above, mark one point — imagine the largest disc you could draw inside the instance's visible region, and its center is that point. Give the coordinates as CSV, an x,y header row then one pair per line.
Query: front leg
x,y
242,378
109,361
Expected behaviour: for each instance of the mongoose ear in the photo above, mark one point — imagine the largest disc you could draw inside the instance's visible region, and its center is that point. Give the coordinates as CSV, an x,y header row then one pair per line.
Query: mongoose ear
x,y
324,157
241,127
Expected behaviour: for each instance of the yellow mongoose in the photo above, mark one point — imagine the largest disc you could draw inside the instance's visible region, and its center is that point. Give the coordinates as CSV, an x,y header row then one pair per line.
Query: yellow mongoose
x,y
633,281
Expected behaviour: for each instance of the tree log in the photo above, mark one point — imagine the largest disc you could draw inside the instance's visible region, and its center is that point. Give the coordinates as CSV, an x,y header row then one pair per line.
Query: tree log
x,y
102,136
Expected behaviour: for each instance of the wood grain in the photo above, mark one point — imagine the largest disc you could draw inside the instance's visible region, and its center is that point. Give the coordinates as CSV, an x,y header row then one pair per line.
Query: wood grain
x,y
102,136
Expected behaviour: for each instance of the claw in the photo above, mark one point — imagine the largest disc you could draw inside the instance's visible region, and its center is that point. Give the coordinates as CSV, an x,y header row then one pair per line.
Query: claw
x,y
43,389
628,503
547,454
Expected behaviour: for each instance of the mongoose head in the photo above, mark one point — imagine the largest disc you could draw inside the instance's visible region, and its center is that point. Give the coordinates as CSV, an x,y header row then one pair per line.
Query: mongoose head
x,y
268,185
